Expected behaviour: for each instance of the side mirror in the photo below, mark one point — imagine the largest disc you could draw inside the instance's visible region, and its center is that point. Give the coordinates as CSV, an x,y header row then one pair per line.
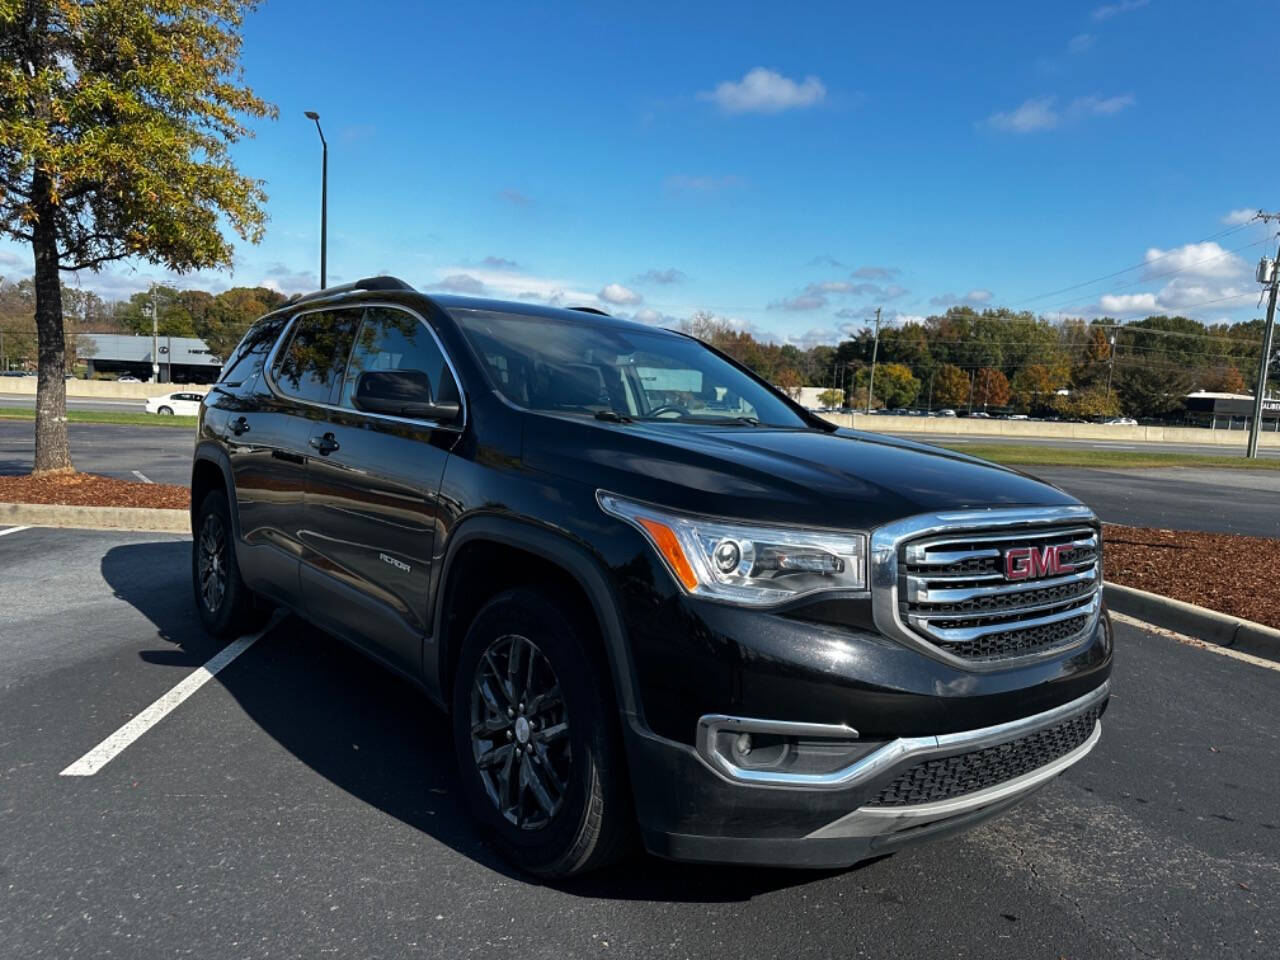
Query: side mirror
x,y
401,393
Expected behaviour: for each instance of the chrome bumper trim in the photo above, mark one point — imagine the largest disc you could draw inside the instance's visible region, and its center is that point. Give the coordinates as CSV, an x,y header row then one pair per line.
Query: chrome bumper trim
x,y
892,754
883,821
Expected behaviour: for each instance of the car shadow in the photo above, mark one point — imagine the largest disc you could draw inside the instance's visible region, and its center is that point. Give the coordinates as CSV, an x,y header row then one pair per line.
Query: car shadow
x,y
376,735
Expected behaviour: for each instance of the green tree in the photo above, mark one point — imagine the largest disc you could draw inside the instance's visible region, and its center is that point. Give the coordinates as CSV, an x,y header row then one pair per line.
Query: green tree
x,y
990,388
1035,385
1149,392
116,117
831,398
224,321
895,386
950,387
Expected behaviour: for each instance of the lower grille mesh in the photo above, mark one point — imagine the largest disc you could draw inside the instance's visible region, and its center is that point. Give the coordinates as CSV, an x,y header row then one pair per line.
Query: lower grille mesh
x,y
945,777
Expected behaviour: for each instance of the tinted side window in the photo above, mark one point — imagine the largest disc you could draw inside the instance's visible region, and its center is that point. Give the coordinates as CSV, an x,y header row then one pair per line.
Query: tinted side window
x,y
316,355
394,340
246,360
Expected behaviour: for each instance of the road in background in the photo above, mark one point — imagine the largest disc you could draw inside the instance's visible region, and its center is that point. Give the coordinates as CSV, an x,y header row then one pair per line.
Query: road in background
x,y
28,402
114,450
305,802
1184,498
1145,446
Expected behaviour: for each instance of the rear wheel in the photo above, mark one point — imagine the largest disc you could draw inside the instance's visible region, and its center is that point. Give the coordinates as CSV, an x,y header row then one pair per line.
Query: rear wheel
x,y
536,738
227,607
165,411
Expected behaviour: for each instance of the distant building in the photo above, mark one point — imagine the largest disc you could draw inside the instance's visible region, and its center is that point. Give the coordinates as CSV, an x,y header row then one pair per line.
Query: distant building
x,y
181,359
1223,409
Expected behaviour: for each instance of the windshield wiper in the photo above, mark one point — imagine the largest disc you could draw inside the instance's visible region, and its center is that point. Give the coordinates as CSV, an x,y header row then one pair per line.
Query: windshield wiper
x,y
612,416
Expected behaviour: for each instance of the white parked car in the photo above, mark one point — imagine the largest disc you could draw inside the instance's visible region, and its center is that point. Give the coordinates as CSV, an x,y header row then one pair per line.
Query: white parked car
x,y
1120,422
127,380
181,404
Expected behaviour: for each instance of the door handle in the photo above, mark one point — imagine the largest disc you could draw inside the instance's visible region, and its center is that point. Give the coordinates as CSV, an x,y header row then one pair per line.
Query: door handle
x,y
238,426
326,444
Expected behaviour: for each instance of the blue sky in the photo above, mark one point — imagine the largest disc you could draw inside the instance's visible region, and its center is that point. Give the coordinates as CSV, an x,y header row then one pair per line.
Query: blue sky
x,y
789,166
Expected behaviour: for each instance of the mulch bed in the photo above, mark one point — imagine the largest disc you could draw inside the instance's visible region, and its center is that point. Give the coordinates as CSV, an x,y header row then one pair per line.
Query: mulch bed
x,y
92,490
1232,574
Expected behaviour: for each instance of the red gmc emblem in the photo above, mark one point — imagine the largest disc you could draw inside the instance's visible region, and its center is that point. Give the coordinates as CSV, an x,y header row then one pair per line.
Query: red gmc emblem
x,y
1032,563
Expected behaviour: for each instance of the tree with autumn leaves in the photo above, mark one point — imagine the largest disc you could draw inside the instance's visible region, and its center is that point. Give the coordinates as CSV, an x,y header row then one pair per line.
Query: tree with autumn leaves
x,y
116,118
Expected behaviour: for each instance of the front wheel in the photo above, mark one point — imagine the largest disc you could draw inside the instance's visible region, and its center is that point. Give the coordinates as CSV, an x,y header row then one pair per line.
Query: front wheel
x,y
537,743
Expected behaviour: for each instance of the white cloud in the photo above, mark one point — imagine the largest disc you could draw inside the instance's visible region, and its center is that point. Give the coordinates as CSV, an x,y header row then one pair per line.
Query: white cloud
x,y
875,273
1107,11
616,293
1232,219
283,279
1195,260
1127,302
499,263
1030,116
1100,106
973,298
8,259
1080,43
765,91
824,260
515,197
655,318
1039,113
802,301
686,183
460,283
664,277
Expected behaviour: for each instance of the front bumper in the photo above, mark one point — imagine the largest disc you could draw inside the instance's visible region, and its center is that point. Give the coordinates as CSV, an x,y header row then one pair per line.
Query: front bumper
x,y
696,804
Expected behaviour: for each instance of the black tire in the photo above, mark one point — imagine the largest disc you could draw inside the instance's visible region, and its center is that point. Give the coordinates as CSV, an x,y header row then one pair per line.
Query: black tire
x,y
227,607
165,411
593,822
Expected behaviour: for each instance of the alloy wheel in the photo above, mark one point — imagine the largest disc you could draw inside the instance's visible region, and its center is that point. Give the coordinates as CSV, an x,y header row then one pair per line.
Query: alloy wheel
x,y
520,732
213,563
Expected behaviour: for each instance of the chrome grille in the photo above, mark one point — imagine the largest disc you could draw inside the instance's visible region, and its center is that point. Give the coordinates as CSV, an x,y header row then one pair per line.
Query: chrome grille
x,y
953,591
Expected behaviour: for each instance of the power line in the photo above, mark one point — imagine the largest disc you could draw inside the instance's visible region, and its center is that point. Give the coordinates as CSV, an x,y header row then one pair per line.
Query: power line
x,y
1136,266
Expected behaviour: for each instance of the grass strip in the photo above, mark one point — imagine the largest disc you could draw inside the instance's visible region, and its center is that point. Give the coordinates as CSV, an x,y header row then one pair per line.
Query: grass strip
x,y
1015,455
104,416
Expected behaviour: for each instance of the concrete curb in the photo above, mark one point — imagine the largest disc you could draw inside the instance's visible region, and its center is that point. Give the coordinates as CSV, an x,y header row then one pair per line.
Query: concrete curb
x,y
1199,622
142,519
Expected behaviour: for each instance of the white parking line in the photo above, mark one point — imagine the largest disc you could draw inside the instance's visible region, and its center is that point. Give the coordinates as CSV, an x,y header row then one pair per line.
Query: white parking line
x,y
5,533
114,745
142,476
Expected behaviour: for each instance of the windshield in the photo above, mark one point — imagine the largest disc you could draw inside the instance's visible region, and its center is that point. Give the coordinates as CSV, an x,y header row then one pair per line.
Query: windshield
x,y
565,366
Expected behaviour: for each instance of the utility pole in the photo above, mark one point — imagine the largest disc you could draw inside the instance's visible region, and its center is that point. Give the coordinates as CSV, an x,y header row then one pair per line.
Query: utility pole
x,y
972,378
1270,278
875,349
1111,364
155,339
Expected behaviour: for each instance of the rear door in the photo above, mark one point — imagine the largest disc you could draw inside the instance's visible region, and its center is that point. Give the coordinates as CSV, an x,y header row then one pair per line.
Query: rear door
x,y
267,436
373,497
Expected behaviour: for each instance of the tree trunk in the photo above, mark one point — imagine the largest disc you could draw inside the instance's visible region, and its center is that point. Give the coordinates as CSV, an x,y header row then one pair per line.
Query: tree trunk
x,y
53,452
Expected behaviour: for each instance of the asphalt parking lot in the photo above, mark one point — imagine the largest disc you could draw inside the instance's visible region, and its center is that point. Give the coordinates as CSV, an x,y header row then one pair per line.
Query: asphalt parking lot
x,y
1222,501
302,803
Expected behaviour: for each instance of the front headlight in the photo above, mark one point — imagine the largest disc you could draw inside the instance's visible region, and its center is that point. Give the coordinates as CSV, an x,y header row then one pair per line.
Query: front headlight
x,y
745,563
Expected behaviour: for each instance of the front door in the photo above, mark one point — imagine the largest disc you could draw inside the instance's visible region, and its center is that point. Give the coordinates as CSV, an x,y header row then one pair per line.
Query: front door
x,y
373,485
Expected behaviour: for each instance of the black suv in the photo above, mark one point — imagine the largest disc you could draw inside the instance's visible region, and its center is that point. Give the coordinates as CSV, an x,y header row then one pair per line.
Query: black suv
x,y
657,597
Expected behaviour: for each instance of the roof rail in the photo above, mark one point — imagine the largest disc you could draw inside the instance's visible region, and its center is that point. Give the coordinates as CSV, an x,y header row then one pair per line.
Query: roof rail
x,y
368,283
596,310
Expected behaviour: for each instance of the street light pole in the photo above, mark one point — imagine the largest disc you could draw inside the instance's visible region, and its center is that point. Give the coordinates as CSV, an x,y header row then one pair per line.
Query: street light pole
x,y
155,339
324,195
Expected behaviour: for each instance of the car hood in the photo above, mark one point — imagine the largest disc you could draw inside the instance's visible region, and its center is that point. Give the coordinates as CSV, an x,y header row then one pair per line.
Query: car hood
x,y
808,476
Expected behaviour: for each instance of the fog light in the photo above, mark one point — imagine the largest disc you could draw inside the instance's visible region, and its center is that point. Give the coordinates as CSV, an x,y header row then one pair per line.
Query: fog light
x,y
742,746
